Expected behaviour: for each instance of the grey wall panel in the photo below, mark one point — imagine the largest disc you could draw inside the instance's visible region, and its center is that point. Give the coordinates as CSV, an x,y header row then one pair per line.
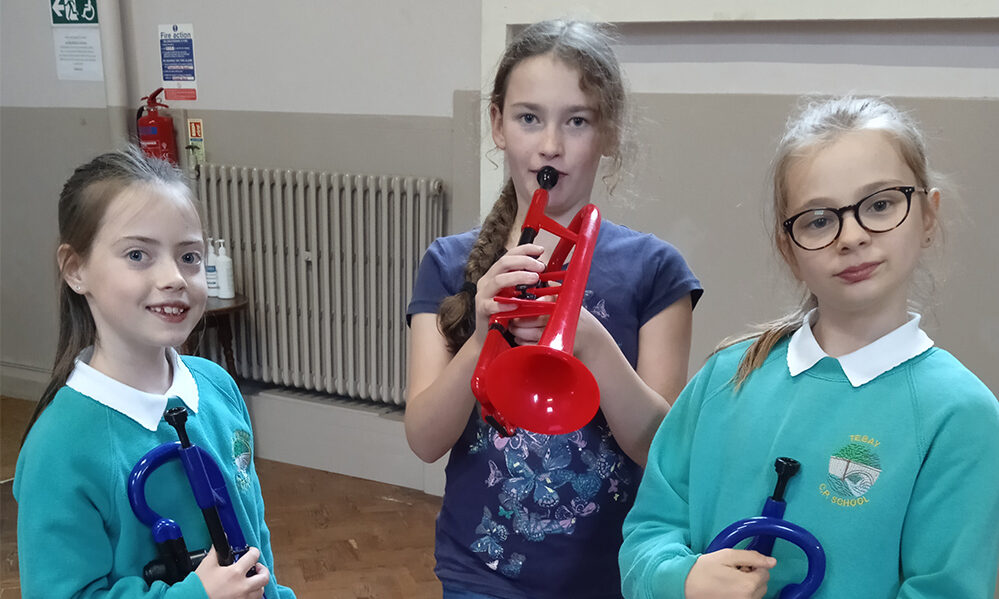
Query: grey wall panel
x,y
40,148
700,182
354,143
463,196
390,145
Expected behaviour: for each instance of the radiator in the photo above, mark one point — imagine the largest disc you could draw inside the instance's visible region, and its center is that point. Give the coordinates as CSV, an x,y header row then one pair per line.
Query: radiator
x,y
327,262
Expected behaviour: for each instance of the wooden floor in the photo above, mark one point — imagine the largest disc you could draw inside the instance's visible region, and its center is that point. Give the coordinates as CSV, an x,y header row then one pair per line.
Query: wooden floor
x,y
333,536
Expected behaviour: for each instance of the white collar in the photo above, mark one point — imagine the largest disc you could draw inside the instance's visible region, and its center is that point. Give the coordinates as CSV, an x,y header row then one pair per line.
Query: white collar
x,y
144,408
867,363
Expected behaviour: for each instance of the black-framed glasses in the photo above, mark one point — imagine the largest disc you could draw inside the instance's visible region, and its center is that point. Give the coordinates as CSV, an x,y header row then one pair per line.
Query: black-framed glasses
x,y
881,211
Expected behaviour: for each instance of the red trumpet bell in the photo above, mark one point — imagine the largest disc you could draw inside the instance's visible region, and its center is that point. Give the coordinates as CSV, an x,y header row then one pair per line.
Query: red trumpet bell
x,y
543,390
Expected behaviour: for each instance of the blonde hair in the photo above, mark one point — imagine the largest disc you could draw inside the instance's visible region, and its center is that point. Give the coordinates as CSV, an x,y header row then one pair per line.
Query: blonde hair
x,y
587,48
818,124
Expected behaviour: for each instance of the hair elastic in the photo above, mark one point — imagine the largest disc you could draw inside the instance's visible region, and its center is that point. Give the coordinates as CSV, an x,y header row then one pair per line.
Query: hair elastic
x,y
470,288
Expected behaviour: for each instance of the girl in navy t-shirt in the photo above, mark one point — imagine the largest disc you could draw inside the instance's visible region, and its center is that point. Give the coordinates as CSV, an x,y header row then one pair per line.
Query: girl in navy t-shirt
x,y
536,515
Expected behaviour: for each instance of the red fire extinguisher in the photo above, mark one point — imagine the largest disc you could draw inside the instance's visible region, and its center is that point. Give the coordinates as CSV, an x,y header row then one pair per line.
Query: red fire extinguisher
x,y
156,135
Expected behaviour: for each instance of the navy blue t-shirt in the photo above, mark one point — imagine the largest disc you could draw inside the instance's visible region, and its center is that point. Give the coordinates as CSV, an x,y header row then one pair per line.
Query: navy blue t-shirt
x,y
538,515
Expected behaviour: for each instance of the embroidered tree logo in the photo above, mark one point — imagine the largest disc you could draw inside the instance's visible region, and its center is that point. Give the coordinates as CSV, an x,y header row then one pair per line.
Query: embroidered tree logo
x,y
242,456
854,469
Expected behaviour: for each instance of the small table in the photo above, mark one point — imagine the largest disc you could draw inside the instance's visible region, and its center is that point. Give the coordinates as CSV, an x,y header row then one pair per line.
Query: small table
x,y
217,316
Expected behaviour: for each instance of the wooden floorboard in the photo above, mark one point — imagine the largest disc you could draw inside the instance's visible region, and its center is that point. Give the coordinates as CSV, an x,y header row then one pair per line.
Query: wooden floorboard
x,y
333,536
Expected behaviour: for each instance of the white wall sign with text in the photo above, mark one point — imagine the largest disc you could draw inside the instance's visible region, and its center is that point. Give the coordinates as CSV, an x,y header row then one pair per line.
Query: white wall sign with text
x,y
78,53
177,62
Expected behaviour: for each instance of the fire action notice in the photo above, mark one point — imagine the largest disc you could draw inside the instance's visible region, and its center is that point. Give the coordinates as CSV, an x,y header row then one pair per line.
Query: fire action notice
x,y
177,62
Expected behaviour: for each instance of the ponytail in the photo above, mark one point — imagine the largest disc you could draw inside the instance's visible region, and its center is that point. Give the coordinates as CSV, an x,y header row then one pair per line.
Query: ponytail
x,y
456,315
766,336
76,332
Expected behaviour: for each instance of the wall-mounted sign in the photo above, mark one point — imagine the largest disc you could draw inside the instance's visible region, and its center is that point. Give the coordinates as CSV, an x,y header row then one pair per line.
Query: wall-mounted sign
x,y
196,139
78,53
73,12
177,62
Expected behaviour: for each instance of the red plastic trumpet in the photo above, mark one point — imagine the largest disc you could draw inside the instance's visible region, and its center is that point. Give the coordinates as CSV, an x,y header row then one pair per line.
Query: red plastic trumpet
x,y
542,388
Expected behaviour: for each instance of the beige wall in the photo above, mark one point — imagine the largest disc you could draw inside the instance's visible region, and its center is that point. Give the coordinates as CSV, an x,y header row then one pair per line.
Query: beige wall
x,y
701,184
344,57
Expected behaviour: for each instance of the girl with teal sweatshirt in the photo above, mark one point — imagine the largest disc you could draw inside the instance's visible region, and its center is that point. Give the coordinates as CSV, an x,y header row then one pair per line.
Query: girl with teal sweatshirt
x,y
132,288
898,442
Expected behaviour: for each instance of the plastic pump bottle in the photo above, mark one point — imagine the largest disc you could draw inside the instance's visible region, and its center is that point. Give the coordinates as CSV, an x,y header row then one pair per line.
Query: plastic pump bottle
x,y
211,272
223,267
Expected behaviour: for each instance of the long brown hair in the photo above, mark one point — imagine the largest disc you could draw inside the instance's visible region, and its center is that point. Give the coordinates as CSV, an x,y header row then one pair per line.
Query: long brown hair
x,y
83,204
587,48
818,124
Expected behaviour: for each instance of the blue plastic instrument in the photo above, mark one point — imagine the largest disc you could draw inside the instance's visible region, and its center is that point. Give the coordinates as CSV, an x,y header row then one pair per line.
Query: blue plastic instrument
x,y
770,526
208,485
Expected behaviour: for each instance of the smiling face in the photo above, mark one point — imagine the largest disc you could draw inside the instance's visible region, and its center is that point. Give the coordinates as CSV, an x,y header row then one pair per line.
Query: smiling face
x,y
861,273
143,278
548,120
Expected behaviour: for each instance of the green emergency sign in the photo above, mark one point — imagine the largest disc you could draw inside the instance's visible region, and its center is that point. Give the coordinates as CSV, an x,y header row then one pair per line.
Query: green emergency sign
x,y
73,12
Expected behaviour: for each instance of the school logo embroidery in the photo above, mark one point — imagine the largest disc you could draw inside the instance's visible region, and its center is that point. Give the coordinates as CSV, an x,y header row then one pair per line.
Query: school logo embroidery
x,y
242,455
853,470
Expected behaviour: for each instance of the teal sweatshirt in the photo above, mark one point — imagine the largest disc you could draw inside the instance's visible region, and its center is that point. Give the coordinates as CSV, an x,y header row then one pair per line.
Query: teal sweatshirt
x,y
77,536
899,477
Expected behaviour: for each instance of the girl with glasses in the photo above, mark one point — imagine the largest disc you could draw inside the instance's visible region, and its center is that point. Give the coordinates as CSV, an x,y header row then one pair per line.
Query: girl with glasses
x,y
897,440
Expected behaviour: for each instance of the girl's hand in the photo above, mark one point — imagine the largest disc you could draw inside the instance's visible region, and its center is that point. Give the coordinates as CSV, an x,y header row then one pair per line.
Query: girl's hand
x,y
527,331
231,582
517,267
729,574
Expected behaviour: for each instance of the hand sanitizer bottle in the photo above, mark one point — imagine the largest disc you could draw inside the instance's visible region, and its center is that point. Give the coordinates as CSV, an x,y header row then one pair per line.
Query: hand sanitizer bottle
x,y
211,272
223,267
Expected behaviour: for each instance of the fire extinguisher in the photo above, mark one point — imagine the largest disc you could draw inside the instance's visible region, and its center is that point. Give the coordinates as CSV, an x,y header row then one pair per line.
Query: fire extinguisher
x,y
156,136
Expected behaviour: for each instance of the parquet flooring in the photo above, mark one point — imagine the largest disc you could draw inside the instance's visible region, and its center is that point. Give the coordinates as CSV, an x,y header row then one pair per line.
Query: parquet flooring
x,y
333,536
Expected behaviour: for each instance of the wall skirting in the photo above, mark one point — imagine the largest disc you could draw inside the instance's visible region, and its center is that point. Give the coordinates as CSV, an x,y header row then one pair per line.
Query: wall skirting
x,y
23,382
347,437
